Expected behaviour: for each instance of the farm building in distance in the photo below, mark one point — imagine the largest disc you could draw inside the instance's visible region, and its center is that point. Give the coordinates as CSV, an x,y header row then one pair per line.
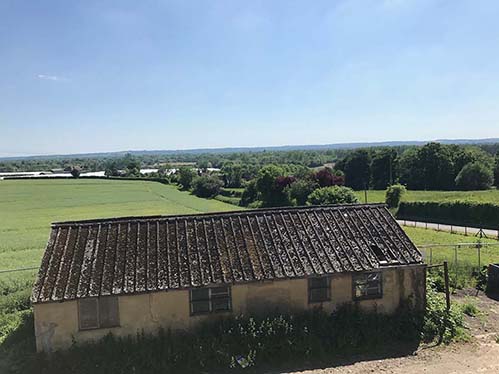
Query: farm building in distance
x,y
127,275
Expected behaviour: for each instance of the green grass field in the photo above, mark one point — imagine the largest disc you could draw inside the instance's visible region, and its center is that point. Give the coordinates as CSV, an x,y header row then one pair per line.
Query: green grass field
x,y
488,196
28,207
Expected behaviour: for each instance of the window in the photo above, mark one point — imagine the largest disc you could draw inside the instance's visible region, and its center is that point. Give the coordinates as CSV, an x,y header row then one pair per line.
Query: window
x,y
94,313
319,289
367,286
209,300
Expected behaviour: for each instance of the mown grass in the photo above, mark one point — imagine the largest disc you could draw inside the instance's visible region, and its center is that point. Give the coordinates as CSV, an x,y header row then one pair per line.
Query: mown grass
x,y
488,196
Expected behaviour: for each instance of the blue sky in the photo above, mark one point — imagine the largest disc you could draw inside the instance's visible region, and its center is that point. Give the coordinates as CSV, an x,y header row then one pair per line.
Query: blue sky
x,y
88,76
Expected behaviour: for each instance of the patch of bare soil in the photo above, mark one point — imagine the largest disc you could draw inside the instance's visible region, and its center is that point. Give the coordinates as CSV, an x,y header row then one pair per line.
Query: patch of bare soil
x,y
480,355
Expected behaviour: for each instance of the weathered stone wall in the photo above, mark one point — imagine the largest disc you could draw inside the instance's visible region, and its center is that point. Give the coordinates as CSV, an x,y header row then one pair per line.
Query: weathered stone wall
x,y
56,324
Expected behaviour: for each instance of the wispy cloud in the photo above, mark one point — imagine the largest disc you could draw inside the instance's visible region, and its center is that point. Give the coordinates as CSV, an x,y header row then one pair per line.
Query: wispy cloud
x,y
53,78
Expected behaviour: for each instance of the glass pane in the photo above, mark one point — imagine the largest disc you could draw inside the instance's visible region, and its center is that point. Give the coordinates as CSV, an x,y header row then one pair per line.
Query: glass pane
x,y
200,307
319,294
87,313
220,304
360,290
319,282
108,311
200,294
219,291
373,277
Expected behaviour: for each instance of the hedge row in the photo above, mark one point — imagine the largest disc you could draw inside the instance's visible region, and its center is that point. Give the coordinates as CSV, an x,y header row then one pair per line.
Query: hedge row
x,y
464,213
160,180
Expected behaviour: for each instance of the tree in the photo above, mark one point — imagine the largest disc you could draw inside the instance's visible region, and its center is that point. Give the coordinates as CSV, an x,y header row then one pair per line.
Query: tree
x,y
428,168
75,171
185,177
206,186
300,189
332,195
326,177
111,169
357,169
270,188
232,174
475,176
394,195
383,168
250,194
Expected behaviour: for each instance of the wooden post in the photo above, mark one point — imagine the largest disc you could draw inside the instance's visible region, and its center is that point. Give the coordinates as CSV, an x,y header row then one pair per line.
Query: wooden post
x,y
465,230
455,261
447,291
431,255
478,248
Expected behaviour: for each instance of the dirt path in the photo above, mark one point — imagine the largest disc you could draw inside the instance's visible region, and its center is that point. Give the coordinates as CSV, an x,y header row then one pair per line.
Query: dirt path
x,y
481,355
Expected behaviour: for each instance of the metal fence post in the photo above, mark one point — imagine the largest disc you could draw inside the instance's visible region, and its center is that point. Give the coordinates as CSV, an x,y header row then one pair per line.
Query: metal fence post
x,y
447,291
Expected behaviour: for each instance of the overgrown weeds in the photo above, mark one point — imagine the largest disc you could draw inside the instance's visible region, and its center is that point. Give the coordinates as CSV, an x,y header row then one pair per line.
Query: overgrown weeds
x,y
304,339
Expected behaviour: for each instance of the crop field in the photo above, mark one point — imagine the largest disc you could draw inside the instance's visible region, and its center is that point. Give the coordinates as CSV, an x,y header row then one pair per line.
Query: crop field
x,y
487,196
28,207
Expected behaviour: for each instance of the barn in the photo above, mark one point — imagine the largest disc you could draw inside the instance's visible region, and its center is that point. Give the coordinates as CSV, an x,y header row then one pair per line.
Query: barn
x,y
134,274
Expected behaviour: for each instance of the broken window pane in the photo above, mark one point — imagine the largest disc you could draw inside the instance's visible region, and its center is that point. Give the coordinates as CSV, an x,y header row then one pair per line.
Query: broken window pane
x,y
368,285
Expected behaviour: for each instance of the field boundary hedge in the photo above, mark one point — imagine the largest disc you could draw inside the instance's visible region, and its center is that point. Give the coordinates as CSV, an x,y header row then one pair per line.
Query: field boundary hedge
x,y
48,177
463,213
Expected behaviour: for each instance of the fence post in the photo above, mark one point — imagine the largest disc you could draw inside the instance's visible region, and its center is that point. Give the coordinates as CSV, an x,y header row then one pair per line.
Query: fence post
x,y
465,230
447,291
431,255
478,248
455,261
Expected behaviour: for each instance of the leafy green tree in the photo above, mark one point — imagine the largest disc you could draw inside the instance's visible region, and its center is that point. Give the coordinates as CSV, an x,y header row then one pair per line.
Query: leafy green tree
x,y
111,169
232,174
332,195
250,194
357,169
475,176
185,177
300,189
428,168
383,168
463,155
270,192
394,195
206,186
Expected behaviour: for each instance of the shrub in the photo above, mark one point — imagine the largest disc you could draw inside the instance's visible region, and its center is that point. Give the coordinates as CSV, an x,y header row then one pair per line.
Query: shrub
x,y
451,212
475,176
394,195
332,195
206,186
300,190
440,324
469,308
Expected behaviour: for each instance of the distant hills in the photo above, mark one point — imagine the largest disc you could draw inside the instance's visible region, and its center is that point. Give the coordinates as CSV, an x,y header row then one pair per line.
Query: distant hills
x,y
256,149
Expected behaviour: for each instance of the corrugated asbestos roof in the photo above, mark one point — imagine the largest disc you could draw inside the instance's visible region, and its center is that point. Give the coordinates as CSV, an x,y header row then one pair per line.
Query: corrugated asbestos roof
x,y
140,254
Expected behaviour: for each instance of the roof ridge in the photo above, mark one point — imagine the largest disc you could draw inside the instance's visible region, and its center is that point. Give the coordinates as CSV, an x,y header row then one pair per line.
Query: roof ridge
x,y
240,212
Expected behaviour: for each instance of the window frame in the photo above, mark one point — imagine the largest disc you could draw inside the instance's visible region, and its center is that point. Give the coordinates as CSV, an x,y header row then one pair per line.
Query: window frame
x,y
327,279
98,312
357,276
210,300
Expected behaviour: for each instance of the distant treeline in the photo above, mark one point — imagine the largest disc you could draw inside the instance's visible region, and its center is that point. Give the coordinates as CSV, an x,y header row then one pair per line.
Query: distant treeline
x,y
433,166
